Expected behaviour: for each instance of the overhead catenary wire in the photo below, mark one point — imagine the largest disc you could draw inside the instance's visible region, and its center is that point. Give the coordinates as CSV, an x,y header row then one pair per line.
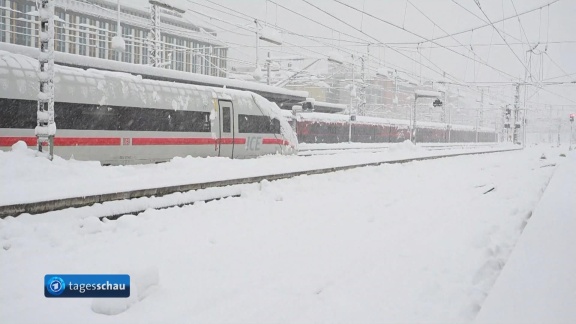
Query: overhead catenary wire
x,y
496,21
504,39
521,26
332,28
420,36
247,17
440,72
360,43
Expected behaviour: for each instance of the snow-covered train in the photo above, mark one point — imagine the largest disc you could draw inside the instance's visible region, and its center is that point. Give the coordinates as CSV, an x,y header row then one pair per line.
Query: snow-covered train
x,y
118,118
312,127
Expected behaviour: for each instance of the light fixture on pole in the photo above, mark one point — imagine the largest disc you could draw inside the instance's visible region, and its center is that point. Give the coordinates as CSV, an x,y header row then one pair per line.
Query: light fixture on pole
x,y
422,94
118,43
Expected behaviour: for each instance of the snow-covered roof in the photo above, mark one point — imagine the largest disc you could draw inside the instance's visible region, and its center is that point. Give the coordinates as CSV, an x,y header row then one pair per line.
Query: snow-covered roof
x,y
427,93
329,107
378,120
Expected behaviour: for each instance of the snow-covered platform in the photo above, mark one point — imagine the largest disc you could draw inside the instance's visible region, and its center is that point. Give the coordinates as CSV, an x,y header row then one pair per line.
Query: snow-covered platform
x,y
538,283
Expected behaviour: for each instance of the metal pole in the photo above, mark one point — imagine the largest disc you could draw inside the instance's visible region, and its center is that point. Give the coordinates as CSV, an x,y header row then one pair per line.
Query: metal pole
x,y
351,103
449,124
496,125
550,125
516,114
444,107
361,106
395,90
477,126
257,41
524,128
155,36
268,72
481,122
118,32
559,128
45,126
413,130
570,147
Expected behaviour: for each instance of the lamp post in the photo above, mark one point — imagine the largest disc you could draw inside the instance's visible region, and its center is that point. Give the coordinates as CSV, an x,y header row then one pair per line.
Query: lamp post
x,y
422,94
118,43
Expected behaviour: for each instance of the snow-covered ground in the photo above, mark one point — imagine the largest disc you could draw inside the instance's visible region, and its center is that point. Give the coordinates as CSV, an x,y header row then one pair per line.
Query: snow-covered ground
x,y
538,284
416,242
25,178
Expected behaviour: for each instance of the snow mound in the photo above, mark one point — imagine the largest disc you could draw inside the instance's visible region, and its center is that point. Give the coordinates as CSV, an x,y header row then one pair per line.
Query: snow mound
x,y
141,286
21,149
407,146
110,306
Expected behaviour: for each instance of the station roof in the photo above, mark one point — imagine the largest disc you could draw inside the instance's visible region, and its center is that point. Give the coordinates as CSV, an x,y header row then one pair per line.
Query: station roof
x,y
327,107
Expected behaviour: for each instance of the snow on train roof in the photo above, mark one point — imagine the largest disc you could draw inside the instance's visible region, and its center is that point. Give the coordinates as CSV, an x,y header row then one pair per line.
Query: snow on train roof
x,y
378,120
138,69
21,65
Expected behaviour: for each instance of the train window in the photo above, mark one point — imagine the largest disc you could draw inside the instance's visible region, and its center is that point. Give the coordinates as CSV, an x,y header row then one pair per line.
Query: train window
x,y
226,123
17,113
22,114
275,126
258,124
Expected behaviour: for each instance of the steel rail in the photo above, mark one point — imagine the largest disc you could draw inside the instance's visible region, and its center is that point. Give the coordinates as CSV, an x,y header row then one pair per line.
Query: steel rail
x,y
373,149
84,201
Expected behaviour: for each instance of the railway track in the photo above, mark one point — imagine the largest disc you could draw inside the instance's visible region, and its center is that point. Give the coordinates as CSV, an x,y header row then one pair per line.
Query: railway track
x,y
157,193
312,151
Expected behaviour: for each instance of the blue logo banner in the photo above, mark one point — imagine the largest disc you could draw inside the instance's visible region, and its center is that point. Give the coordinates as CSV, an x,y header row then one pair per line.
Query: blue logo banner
x,y
87,285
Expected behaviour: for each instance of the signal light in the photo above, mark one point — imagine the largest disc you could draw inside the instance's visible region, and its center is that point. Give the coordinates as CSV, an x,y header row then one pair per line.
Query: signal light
x,y
572,117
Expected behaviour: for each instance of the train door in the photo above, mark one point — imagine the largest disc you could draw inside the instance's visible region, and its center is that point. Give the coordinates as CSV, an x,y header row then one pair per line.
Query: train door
x,y
226,133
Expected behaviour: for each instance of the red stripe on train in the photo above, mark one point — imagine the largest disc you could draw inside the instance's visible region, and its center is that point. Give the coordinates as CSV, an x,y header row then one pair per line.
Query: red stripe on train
x,y
172,141
87,141
239,140
275,141
185,141
9,141
64,141
115,141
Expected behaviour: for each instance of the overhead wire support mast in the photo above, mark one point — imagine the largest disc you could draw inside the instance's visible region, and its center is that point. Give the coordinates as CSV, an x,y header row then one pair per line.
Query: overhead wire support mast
x,y
516,114
154,49
45,125
155,38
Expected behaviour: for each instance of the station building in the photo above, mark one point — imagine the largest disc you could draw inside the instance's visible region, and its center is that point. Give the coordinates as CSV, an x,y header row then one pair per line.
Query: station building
x,y
87,27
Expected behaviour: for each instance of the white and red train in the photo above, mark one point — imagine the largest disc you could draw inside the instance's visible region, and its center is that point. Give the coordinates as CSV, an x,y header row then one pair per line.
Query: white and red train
x,y
117,118
312,127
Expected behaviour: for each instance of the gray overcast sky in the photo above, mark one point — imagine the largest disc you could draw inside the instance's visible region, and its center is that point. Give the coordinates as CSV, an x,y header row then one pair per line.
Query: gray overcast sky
x,y
553,27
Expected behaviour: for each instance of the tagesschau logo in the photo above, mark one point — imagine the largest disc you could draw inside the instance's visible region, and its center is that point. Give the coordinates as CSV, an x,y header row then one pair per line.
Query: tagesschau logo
x,y
87,285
